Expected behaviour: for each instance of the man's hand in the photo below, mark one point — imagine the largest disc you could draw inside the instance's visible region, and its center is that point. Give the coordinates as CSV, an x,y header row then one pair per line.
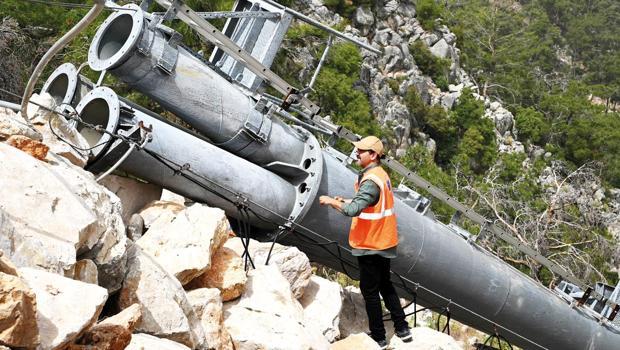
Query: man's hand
x,y
335,202
325,200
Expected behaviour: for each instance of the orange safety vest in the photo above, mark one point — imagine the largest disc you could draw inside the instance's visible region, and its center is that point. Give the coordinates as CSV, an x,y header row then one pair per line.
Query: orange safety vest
x,y
375,227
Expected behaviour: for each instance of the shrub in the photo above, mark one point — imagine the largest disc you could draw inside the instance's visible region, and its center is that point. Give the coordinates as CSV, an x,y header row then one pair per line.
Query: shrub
x,y
436,68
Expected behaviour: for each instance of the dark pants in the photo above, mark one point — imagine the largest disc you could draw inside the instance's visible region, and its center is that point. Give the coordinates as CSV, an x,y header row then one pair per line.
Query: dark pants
x,y
375,279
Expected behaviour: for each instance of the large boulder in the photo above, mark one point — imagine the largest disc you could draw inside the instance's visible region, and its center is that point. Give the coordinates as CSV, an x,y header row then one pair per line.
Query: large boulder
x,y
226,273
153,210
353,318
268,316
208,305
166,312
65,307
358,341
18,313
148,342
185,242
127,318
113,333
425,338
103,337
293,264
75,216
322,303
134,194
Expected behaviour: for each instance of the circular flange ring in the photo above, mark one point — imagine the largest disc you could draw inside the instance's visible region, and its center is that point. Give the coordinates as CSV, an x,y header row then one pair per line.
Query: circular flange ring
x,y
111,121
113,22
68,70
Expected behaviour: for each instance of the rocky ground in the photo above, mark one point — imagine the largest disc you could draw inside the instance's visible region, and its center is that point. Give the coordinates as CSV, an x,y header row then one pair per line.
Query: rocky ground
x,y
124,264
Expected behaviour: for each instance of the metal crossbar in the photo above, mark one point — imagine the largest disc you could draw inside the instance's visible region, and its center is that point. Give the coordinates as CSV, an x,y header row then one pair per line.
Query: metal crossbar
x,y
178,9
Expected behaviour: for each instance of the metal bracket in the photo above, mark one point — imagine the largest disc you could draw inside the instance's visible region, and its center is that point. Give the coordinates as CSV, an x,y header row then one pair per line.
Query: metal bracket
x,y
258,127
170,53
585,296
145,42
261,105
614,312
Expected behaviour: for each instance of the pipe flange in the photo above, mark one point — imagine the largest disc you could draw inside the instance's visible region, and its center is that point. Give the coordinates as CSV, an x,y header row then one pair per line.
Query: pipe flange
x,y
68,72
307,189
90,111
104,39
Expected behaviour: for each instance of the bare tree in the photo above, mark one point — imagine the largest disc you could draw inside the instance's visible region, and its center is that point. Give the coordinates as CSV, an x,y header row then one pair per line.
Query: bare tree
x,y
565,223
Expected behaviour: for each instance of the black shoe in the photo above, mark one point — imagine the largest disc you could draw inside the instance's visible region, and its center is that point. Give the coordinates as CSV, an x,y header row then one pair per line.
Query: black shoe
x,y
382,344
404,335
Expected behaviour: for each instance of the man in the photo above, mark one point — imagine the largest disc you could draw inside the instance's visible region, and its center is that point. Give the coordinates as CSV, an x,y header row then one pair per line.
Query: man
x,y
374,238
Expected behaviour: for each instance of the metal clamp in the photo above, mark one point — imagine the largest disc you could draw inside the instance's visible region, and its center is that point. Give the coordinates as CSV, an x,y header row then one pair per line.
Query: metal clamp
x,y
170,53
258,127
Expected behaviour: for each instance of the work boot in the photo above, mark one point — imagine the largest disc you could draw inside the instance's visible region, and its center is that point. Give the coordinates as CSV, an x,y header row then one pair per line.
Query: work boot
x,y
404,335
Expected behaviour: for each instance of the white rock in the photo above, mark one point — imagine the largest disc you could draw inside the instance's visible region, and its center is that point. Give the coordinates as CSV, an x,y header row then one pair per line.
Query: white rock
x,y
226,273
322,303
65,307
148,342
169,196
353,318
358,341
293,264
184,244
166,312
441,49
134,195
268,316
426,339
155,209
127,318
109,251
363,17
207,303
12,124
73,215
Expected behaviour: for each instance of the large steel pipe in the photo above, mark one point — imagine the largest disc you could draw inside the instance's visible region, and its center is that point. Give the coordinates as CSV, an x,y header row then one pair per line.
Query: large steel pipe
x,y
102,107
480,289
149,58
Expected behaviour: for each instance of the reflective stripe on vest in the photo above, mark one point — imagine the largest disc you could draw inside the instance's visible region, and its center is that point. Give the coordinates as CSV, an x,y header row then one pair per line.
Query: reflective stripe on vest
x,y
375,227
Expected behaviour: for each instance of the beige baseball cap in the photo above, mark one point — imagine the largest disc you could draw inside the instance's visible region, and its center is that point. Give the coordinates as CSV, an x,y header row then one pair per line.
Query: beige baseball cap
x,y
371,143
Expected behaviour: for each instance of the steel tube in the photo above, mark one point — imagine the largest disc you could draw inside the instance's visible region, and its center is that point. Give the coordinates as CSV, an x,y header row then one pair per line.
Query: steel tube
x,y
102,107
127,47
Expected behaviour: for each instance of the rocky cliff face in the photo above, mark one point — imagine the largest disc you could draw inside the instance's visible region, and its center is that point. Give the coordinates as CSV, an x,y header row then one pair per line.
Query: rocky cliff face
x,y
392,27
